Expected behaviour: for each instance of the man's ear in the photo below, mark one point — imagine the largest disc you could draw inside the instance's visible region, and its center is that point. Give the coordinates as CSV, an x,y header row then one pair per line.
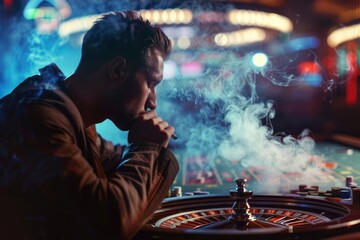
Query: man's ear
x,y
117,69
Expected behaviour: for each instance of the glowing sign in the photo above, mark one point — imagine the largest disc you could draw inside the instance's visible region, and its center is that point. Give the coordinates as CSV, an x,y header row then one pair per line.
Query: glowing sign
x,y
47,14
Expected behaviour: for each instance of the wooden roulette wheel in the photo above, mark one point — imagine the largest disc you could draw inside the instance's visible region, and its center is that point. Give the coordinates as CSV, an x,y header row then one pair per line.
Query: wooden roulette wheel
x,y
243,215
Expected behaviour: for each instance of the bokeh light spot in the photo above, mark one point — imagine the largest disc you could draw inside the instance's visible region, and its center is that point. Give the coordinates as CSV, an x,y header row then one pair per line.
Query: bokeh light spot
x,y
260,59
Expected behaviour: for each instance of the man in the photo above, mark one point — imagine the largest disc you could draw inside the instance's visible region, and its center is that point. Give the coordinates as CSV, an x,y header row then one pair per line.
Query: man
x,y
58,178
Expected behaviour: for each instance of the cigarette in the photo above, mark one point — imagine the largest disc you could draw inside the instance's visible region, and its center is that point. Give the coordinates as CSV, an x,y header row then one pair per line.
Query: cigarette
x,y
173,136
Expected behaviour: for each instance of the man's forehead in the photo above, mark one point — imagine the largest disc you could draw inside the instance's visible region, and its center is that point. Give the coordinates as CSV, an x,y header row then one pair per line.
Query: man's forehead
x,y
153,52
154,59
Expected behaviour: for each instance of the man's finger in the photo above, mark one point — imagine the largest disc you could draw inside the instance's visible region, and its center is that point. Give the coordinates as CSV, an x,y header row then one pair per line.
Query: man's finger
x,y
148,115
171,130
163,124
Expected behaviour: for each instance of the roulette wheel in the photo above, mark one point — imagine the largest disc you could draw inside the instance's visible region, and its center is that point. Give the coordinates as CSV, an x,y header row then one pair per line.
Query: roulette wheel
x,y
244,215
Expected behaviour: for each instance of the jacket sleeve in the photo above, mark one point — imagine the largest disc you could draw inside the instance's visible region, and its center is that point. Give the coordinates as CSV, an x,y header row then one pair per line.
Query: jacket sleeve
x,y
114,207
149,181
111,154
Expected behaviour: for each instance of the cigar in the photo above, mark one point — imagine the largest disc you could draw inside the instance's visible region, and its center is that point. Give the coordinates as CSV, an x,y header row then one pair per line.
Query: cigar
x,y
173,136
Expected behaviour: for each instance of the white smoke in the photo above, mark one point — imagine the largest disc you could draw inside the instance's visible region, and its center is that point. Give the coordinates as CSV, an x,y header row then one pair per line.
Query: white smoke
x,y
230,122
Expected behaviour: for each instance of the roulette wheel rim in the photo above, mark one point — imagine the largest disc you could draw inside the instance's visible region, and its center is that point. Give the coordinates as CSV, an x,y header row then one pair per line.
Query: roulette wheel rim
x,y
343,219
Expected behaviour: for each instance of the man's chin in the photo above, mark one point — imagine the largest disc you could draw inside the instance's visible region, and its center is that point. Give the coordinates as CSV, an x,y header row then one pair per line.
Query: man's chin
x,y
122,126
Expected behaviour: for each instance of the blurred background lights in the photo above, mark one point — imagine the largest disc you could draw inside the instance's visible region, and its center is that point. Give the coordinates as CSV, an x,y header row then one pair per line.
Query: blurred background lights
x,y
260,19
343,34
47,14
349,151
76,25
183,42
163,17
259,59
168,16
302,43
191,69
170,69
308,67
240,37
179,31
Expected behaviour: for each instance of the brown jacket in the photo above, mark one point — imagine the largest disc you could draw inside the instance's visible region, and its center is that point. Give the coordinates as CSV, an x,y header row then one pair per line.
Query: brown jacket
x,y
58,182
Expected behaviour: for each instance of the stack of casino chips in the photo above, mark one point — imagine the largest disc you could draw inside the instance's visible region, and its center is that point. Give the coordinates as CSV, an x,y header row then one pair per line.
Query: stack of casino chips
x,y
197,192
336,192
176,191
349,182
305,190
356,197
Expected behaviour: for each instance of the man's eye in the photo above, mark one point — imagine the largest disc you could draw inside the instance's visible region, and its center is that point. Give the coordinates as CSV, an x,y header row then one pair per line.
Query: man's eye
x,y
152,84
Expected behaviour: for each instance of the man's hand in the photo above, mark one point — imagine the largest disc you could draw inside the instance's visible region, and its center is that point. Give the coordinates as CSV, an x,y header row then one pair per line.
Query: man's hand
x,y
148,127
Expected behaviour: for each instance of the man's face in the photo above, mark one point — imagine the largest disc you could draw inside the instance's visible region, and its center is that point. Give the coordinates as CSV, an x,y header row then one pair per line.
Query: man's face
x,y
137,93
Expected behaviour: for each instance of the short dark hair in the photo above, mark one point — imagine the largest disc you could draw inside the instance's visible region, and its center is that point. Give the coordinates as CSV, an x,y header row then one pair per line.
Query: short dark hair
x,y
125,34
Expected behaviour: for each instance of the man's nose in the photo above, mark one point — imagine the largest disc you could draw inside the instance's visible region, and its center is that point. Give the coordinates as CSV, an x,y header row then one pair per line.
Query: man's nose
x,y
151,102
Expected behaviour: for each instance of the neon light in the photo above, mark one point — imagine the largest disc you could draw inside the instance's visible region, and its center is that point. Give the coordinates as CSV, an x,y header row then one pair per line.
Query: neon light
x,y
313,79
308,67
32,8
351,90
75,25
342,62
8,3
351,85
260,19
30,13
358,56
191,69
183,42
259,59
240,37
302,43
343,34
166,16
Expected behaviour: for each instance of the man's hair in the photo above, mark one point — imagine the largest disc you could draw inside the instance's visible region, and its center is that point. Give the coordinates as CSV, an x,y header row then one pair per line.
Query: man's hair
x,y
124,34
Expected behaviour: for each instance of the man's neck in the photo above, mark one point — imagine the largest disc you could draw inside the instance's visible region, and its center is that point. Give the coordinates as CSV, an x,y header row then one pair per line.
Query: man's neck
x,y
82,98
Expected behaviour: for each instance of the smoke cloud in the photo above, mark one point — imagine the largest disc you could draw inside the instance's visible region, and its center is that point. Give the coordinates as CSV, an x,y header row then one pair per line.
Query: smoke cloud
x,y
229,121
